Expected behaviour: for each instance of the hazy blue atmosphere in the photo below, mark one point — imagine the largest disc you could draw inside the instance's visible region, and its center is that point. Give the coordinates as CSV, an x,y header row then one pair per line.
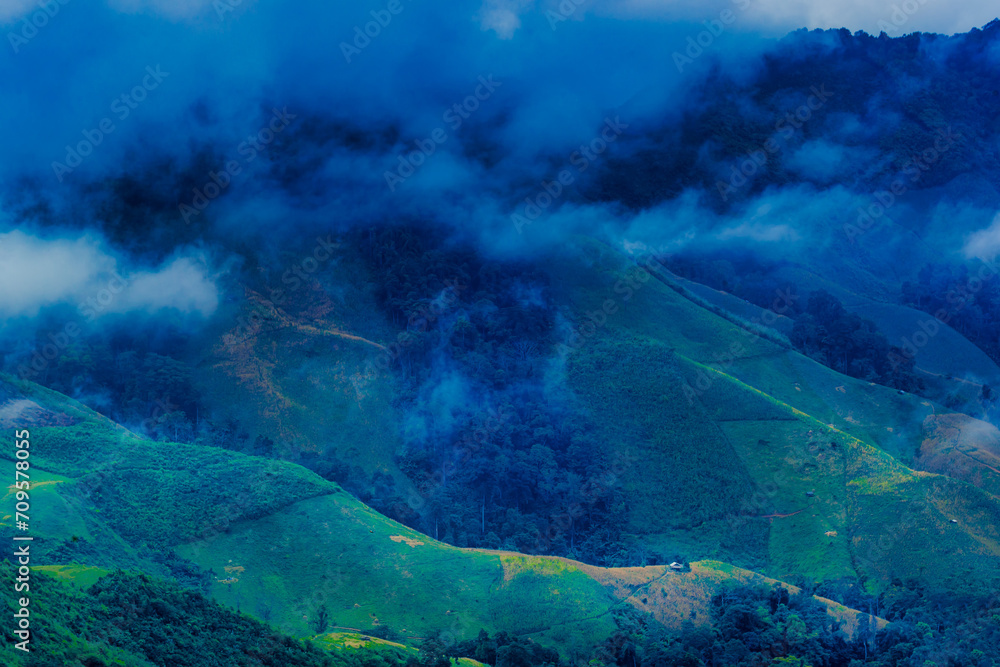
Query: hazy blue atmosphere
x,y
501,332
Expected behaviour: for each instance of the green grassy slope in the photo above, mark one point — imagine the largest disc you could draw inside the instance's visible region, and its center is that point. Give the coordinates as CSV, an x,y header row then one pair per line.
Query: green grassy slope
x,y
370,571
946,353
282,542
962,448
414,584
693,451
730,447
153,492
275,536
732,304
681,473
756,427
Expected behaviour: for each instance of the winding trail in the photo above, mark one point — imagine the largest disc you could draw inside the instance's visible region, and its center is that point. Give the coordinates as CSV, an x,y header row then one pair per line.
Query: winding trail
x,y
340,334
978,461
309,330
942,375
780,516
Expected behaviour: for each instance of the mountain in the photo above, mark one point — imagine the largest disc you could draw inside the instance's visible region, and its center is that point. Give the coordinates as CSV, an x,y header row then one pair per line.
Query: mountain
x,y
122,501
752,477
675,352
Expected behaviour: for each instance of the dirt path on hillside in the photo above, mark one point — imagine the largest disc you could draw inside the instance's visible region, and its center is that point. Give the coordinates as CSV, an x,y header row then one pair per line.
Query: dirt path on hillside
x,y
310,331
340,334
367,633
780,516
978,461
314,330
941,375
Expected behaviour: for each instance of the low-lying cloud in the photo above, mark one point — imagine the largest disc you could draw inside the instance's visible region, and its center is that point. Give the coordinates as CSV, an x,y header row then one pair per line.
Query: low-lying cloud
x,y
82,272
36,273
984,244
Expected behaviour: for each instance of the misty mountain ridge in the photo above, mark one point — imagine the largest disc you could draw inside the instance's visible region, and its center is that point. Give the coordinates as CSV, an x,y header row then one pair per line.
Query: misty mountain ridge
x,y
509,359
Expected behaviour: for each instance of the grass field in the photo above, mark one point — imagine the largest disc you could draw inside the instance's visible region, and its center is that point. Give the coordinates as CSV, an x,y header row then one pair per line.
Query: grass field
x,y
756,460
766,426
947,352
80,576
370,572
290,543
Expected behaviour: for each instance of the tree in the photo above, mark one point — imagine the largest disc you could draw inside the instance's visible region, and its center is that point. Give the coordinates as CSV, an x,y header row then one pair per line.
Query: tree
x,y
174,426
321,619
263,446
486,649
433,653
513,655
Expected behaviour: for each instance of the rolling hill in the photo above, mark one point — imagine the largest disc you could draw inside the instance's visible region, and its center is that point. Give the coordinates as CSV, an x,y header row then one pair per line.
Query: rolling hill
x,y
802,469
735,453
279,542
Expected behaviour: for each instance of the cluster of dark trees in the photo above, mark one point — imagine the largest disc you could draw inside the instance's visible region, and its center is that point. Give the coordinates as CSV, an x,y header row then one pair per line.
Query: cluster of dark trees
x,y
125,616
954,623
823,329
143,379
957,86
961,299
136,376
749,626
515,468
851,344
505,650
504,460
